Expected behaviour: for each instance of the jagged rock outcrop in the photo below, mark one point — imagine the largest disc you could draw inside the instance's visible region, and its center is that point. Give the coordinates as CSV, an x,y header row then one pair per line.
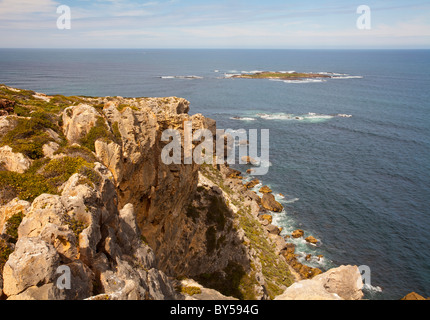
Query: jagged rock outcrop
x,y
343,283
78,121
268,202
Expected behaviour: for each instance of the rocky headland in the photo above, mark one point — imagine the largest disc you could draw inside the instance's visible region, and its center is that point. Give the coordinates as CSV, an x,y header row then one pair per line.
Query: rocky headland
x,y
83,188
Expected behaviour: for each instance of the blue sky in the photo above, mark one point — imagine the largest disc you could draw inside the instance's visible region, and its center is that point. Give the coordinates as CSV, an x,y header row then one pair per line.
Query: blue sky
x,y
215,24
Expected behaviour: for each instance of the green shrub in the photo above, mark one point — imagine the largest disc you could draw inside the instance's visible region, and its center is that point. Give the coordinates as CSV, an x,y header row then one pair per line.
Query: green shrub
x,y
232,281
58,171
99,131
45,177
26,186
121,107
5,252
191,291
29,136
75,225
12,225
78,151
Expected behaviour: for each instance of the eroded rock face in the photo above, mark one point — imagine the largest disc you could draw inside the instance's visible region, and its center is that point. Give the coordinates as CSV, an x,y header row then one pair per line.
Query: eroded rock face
x,y
160,193
78,121
343,283
82,230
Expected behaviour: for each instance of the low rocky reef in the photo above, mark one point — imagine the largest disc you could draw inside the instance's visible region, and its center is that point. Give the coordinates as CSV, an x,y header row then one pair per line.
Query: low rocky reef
x,y
281,75
83,189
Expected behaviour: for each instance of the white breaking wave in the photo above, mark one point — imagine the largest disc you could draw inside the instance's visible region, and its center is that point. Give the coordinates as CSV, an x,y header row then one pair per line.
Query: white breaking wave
x,y
372,289
310,117
243,119
230,75
181,77
290,200
279,116
347,77
252,72
305,81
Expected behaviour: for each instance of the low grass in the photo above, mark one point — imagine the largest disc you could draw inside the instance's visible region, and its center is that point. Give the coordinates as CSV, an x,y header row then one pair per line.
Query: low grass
x,y
29,135
45,176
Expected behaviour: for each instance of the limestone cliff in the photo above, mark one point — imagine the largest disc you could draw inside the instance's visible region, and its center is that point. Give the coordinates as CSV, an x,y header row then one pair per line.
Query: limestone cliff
x,y
83,188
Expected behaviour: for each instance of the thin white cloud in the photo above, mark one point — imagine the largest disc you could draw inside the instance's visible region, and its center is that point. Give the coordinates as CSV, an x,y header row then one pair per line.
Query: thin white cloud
x,y
15,9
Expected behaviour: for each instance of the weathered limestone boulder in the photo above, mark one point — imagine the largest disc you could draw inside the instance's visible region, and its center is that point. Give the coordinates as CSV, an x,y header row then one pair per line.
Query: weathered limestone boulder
x,y
265,189
272,229
45,209
311,240
298,234
252,183
15,162
33,263
78,121
5,124
268,202
343,283
414,296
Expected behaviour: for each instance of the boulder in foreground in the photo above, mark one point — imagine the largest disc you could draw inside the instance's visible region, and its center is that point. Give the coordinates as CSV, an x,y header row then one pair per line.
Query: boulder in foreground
x,y
343,283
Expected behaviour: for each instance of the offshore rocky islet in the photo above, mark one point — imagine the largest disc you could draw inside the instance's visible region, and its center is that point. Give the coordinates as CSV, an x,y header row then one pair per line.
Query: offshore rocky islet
x,y
82,185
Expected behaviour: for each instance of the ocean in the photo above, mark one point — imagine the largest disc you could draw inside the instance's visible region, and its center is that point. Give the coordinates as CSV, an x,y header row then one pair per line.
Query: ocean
x,y
350,155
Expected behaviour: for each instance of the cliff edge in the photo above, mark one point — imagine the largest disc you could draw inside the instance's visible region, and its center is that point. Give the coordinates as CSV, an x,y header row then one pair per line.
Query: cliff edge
x,y
89,211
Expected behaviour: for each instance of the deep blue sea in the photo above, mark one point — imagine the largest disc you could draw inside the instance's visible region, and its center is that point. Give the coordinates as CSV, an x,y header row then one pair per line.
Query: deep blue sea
x,y
350,155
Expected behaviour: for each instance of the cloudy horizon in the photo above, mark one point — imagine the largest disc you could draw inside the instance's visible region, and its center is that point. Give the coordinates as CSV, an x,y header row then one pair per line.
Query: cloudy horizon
x,y
234,24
